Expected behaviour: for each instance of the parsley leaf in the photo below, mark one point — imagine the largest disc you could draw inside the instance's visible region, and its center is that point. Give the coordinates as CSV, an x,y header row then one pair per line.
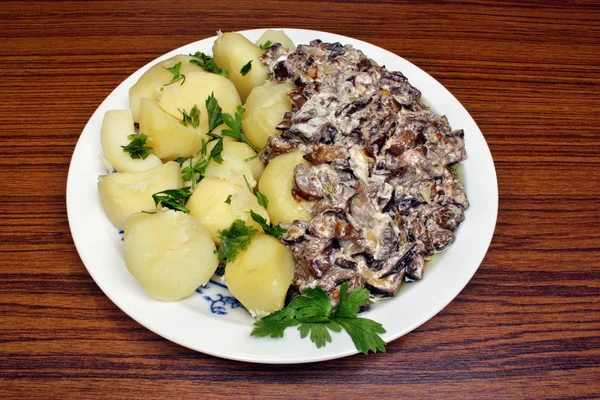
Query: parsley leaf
x,y
236,237
235,125
314,314
193,118
228,200
214,112
246,68
177,75
274,324
350,302
174,199
137,148
275,231
207,63
251,158
364,333
196,169
319,333
262,199
266,45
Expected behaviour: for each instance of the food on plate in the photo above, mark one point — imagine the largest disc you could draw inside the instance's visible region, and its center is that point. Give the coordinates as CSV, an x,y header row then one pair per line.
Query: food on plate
x,y
265,107
329,188
385,195
272,36
169,253
167,136
240,164
116,132
126,193
276,183
260,276
217,203
241,58
198,86
150,84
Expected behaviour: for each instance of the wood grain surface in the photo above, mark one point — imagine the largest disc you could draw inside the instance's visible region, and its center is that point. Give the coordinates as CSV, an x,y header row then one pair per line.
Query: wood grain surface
x,y
526,326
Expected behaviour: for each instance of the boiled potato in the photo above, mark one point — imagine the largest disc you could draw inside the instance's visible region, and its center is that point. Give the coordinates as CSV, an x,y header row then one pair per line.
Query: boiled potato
x,y
276,183
150,84
208,205
197,88
126,193
169,253
168,138
260,276
265,108
117,125
234,167
231,52
276,37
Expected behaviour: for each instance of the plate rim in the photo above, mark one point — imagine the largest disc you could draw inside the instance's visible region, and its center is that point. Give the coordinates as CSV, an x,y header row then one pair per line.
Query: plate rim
x,y
388,337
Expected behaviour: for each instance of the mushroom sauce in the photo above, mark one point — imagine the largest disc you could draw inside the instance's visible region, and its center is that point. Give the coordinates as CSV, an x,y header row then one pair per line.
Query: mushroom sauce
x,y
385,195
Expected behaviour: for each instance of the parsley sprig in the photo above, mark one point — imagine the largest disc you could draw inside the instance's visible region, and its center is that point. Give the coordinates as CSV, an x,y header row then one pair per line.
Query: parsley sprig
x,y
192,118
235,127
214,112
174,199
275,230
246,68
177,75
137,147
266,45
314,315
197,169
233,239
262,199
207,63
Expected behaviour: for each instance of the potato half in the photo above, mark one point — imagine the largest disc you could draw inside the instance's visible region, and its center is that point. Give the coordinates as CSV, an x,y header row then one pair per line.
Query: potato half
x,y
169,253
150,84
117,125
265,108
260,276
198,86
276,37
168,138
276,183
232,51
234,167
126,193
208,205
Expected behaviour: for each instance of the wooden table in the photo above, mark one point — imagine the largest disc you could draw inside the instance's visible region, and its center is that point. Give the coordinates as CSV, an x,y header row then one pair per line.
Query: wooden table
x,y
526,326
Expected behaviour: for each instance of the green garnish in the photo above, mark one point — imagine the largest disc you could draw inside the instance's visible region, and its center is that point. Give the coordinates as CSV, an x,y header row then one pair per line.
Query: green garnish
x,y
251,158
174,199
246,68
207,63
248,185
236,237
196,170
214,112
262,199
313,313
266,45
235,125
137,149
228,200
328,191
177,75
275,231
193,118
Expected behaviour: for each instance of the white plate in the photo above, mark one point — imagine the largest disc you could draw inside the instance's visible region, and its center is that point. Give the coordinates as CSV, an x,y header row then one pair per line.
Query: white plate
x,y
212,322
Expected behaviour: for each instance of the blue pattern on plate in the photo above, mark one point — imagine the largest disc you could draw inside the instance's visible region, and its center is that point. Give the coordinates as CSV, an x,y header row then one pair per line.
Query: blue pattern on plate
x,y
218,305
